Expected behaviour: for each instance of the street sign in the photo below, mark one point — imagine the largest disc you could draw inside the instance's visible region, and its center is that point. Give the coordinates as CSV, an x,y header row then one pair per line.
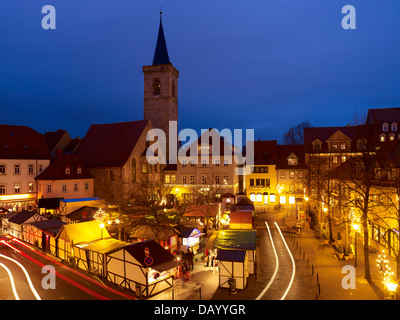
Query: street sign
x,y
148,261
146,251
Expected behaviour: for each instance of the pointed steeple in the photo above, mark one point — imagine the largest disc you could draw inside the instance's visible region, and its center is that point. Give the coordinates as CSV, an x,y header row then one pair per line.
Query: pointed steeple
x,y
161,53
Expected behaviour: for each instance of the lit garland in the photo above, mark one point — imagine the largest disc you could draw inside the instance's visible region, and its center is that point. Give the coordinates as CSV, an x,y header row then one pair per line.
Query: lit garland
x,y
100,215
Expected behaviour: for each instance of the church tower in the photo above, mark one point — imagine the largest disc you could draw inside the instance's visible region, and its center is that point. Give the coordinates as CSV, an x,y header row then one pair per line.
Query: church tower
x,y
161,88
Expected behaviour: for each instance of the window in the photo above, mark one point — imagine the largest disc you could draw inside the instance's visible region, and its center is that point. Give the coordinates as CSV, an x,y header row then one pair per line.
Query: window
x,y
30,169
301,175
291,175
2,189
203,163
17,188
192,180
144,167
226,179
382,137
79,170
2,169
184,163
226,163
184,179
392,137
267,182
167,178
335,160
203,179
378,173
173,178
156,87
86,186
317,146
217,180
64,188
111,175
385,127
251,182
342,146
394,126
259,197
75,187
344,158
16,169
334,146
283,175
67,170
252,197
292,162
216,163
40,168
192,163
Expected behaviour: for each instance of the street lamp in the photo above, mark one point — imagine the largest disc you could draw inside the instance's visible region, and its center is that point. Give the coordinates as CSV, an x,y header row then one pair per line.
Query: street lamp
x,y
355,227
101,228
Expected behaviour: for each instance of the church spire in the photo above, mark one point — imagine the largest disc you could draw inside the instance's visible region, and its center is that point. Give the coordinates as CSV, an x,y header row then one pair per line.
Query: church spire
x,y
161,52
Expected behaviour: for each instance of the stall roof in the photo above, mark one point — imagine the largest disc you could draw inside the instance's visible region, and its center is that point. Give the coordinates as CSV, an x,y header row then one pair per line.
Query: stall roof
x,y
235,240
85,213
49,227
162,259
22,216
105,245
83,232
49,203
231,255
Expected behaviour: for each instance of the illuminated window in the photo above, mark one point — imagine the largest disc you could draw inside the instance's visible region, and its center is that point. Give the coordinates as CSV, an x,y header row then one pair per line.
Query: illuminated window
x,y
67,171
334,146
79,170
272,198
292,200
391,137
167,178
292,162
282,199
265,198
17,188
252,197
344,158
382,137
2,189
291,175
259,197
342,146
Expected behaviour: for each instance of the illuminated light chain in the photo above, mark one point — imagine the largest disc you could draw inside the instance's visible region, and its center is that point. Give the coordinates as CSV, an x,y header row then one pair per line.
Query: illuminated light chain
x,y
384,268
99,215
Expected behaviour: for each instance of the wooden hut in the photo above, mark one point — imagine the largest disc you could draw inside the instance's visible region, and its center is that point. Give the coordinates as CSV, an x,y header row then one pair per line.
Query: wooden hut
x,y
233,265
144,267
43,233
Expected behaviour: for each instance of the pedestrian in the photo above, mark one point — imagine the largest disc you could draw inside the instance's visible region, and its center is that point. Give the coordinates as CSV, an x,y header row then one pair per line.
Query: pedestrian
x,y
190,257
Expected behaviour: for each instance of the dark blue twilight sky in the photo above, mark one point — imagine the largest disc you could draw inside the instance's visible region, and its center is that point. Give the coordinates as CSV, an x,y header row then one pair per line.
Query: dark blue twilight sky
x,y
257,64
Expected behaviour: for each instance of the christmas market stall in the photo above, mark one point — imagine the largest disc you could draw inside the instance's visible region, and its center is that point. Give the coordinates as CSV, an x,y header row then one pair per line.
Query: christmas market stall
x,y
233,266
244,240
42,234
143,267
19,221
69,205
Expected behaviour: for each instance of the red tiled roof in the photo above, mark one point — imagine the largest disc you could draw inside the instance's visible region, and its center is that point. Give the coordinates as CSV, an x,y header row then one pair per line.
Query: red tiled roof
x,y
384,115
53,137
265,152
57,168
21,142
111,144
284,151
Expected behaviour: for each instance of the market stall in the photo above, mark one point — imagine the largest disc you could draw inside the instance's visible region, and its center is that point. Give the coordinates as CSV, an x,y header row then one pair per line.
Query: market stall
x,y
144,267
233,265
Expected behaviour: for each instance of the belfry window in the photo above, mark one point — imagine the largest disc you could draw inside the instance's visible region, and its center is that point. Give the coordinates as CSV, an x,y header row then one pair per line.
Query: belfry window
x,y
156,86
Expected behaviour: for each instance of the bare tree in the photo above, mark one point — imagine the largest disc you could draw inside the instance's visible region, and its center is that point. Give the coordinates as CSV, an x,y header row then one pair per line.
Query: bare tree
x,y
295,135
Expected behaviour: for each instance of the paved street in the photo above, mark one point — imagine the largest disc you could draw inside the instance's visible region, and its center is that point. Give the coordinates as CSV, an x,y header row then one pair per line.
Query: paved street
x,y
70,284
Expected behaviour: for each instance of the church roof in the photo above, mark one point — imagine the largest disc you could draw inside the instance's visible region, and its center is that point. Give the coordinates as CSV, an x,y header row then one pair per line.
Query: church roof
x,y
161,52
111,144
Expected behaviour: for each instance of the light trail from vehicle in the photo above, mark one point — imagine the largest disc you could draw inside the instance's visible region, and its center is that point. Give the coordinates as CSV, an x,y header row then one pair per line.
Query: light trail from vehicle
x,y
276,266
12,281
26,275
293,263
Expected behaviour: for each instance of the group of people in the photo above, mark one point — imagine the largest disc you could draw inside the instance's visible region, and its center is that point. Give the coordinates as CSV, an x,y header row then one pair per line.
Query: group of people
x,y
210,256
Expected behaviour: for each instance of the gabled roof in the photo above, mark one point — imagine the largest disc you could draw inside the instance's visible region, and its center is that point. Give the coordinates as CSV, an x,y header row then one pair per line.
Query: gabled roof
x,y
21,142
57,169
111,144
381,115
85,213
161,52
231,255
324,133
22,216
83,232
162,259
50,227
53,137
